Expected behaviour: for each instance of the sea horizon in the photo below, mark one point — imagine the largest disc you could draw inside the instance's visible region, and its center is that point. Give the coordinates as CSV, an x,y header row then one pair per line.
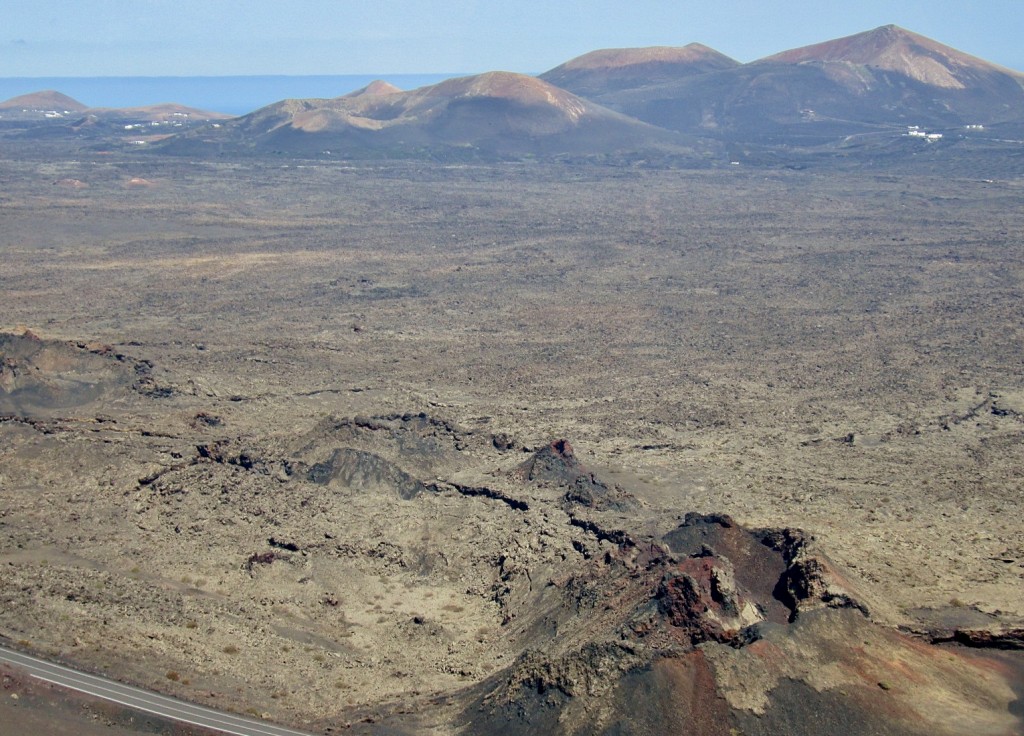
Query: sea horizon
x,y
232,95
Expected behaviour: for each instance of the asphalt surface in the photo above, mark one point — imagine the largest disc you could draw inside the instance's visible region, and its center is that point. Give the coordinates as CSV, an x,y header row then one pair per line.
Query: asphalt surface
x,y
143,700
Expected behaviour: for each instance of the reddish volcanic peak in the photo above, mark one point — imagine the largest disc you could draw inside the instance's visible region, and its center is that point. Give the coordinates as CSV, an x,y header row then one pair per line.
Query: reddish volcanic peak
x,y
374,88
617,58
45,100
606,71
510,86
893,49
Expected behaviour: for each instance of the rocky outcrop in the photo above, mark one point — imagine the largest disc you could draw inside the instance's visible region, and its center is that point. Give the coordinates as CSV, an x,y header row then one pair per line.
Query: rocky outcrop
x,y
364,471
41,377
555,465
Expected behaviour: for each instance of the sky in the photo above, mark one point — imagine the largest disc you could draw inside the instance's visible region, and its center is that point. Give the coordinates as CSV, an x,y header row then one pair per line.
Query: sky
x,y
47,38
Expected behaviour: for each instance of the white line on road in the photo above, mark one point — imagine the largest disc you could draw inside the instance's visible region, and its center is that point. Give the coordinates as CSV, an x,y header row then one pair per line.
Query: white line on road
x,y
143,700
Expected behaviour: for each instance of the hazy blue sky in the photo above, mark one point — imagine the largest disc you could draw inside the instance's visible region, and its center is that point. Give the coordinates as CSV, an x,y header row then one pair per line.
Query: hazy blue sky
x,y
208,37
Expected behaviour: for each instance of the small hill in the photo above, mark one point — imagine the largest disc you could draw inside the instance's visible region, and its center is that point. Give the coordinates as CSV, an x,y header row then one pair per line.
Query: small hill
x,y
376,87
45,100
608,70
167,112
491,115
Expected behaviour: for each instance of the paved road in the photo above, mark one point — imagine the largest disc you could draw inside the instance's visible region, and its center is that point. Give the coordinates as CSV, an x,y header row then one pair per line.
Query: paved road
x,y
143,700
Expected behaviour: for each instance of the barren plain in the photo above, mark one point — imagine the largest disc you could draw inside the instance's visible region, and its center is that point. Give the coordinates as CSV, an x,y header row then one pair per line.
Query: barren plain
x,y
270,428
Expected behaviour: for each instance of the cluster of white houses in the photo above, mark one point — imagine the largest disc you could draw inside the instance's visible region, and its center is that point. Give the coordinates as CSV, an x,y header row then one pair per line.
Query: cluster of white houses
x,y
914,131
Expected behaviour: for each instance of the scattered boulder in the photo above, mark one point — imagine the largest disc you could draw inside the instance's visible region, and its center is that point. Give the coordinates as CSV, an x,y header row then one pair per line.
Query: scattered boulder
x,y
502,442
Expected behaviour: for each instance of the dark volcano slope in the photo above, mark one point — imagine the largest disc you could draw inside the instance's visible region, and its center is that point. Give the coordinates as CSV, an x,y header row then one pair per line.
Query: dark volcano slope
x,y
721,630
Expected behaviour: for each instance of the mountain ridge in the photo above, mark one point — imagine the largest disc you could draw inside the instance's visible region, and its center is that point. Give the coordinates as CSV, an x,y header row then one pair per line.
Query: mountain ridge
x,y
492,114
885,79
614,101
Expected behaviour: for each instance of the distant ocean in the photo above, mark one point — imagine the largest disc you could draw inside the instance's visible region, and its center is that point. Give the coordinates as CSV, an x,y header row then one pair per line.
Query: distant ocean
x,y
231,95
